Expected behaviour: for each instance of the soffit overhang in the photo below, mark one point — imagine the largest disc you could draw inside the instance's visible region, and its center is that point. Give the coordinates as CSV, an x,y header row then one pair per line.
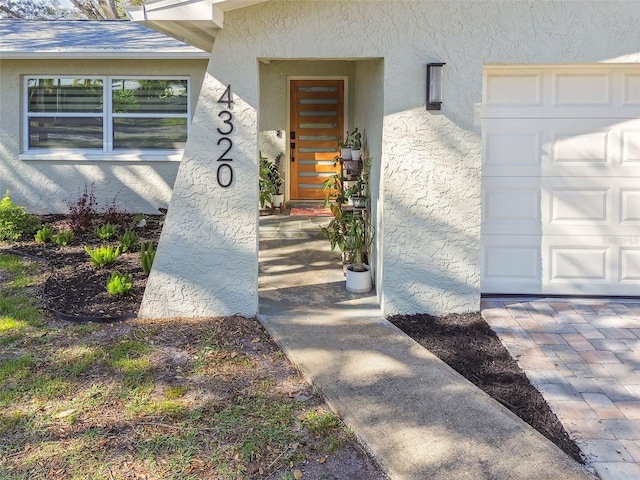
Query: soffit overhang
x,y
195,22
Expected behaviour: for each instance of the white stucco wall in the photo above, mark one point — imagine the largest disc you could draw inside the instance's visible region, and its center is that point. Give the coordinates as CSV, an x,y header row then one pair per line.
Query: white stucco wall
x,y
428,210
49,186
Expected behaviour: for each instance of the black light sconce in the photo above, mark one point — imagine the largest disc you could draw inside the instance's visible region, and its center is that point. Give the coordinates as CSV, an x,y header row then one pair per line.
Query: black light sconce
x,y
434,85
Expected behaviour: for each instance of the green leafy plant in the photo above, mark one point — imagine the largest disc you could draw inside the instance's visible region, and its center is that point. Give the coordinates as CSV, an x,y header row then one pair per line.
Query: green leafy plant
x,y
15,222
355,139
44,235
274,175
119,283
103,255
106,231
147,255
62,237
267,189
128,241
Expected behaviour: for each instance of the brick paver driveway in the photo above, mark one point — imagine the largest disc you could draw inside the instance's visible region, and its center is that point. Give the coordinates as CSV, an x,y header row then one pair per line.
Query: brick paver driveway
x,y
584,356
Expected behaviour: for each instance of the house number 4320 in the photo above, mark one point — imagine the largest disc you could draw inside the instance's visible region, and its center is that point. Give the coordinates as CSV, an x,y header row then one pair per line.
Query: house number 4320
x,y
225,169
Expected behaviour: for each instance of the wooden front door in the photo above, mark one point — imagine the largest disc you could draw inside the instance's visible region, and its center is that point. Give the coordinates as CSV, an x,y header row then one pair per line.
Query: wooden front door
x,y
317,123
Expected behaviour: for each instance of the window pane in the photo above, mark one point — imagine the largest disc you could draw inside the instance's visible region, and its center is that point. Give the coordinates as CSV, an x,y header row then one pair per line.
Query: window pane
x,y
149,96
76,95
149,133
66,132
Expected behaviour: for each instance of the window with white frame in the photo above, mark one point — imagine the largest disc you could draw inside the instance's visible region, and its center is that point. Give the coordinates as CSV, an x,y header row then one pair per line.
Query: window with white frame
x,y
106,114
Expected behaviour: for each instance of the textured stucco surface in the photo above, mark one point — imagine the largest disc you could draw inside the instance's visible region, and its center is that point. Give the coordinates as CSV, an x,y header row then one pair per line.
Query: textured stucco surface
x,y
428,164
47,186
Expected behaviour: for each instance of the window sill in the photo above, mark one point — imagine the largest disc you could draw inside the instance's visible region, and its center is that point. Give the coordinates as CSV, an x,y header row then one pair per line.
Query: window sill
x,y
172,156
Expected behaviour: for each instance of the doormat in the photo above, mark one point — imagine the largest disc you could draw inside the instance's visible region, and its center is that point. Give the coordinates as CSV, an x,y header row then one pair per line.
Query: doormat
x,y
310,212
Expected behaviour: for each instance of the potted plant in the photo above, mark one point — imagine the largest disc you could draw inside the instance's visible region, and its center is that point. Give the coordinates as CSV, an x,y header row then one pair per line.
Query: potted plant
x,y
356,144
357,193
350,156
357,240
266,188
345,147
277,182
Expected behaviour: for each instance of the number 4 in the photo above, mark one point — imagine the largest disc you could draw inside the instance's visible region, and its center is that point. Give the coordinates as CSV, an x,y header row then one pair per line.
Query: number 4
x,y
227,97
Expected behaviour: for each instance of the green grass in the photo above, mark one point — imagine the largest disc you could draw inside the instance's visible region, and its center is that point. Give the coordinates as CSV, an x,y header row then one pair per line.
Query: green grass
x,y
163,399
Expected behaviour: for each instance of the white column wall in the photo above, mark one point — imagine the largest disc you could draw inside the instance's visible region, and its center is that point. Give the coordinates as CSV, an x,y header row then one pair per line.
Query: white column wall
x,y
206,262
429,209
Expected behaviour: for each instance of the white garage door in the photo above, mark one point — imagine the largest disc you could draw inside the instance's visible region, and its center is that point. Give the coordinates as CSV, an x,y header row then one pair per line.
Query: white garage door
x,y
561,180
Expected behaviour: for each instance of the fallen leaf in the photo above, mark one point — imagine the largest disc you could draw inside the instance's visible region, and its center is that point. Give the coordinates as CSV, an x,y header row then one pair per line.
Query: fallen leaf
x,y
322,459
66,413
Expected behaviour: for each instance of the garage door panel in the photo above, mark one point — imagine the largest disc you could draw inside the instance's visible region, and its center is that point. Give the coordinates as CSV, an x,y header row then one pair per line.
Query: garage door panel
x,y
630,144
523,88
630,266
582,90
511,206
631,92
571,264
511,264
630,207
512,148
581,147
579,206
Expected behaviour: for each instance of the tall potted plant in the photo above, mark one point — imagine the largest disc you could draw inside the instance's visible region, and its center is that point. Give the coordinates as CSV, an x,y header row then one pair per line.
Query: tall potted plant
x,y
358,237
350,231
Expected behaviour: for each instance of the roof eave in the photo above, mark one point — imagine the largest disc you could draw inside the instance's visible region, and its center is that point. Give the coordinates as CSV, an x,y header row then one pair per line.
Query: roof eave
x,y
61,55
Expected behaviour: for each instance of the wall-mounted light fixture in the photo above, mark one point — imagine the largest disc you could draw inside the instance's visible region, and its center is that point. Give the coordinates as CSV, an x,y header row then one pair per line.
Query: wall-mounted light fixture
x,y
434,85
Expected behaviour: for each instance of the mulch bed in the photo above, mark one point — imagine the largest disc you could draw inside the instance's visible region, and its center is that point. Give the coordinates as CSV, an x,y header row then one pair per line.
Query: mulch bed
x,y
76,289
468,345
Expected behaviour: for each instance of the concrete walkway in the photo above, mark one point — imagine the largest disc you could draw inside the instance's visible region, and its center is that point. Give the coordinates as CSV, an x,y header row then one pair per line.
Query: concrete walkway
x,y
584,356
416,415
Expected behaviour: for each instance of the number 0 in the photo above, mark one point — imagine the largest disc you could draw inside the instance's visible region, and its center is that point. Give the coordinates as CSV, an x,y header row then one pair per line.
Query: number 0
x,y
221,174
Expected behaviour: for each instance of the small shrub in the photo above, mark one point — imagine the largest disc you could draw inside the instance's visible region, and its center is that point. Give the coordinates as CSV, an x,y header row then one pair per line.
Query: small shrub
x,y
15,222
119,283
128,241
83,211
106,231
62,237
147,255
103,255
113,214
44,235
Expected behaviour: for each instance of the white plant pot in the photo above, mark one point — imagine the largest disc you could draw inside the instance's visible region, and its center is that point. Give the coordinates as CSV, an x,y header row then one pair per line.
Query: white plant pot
x,y
355,154
278,201
359,282
345,153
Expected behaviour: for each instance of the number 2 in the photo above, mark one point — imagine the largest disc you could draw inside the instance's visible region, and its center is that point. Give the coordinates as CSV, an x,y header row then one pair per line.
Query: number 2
x,y
221,158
